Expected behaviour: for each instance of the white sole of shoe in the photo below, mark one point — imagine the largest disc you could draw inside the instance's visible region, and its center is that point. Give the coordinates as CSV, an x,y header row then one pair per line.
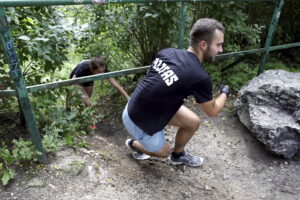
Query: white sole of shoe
x,y
181,163
142,157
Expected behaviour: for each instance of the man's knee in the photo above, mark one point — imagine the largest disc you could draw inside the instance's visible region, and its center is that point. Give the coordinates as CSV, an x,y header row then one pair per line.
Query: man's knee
x,y
194,124
166,154
165,151
186,119
197,123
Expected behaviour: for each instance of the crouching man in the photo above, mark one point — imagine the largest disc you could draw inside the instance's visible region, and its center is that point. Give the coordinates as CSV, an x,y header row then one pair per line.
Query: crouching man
x,y
158,99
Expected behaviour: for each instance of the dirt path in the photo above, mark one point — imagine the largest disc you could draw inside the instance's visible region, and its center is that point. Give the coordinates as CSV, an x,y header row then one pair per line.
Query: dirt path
x,y
236,166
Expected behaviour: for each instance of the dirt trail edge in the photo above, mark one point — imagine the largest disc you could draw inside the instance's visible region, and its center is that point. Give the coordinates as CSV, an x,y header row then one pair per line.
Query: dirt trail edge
x,y
236,166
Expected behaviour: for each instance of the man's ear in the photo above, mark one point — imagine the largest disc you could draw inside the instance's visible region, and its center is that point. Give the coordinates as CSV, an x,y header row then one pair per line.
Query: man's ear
x,y
203,45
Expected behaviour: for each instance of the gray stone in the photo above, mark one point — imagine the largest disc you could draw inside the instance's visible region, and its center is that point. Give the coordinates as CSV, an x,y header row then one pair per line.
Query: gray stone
x,y
75,167
65,152
36,182
269,106
68,162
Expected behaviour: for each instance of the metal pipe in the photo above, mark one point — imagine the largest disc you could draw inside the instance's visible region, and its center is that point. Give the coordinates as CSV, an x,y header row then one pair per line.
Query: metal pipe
x,y
35,88
20,86
270,36
182,24
12,3
46,86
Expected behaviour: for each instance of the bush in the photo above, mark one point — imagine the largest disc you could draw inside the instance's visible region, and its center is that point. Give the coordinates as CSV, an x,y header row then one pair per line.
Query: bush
x,y
21,151
240,74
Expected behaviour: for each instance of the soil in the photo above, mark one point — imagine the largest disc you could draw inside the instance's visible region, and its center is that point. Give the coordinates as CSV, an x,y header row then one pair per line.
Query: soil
x,y
236,166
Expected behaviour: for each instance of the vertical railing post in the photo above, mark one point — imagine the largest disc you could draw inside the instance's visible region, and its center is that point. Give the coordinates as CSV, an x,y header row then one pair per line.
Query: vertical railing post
x,y
19,83
270,36
182,24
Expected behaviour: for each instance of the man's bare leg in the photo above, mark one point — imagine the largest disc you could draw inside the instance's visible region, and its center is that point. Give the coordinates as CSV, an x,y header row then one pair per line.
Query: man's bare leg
x,y
164,152
188,123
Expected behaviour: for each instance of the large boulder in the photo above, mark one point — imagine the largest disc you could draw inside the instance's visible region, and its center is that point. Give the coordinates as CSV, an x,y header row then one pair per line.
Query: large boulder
x,y
269,106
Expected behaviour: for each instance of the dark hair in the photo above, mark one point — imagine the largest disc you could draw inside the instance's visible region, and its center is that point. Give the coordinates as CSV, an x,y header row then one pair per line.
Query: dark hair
x,y
98,62
203,29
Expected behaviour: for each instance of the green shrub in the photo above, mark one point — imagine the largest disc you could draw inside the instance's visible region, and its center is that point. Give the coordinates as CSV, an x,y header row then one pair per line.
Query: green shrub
x,y
21,151
240,74
276,64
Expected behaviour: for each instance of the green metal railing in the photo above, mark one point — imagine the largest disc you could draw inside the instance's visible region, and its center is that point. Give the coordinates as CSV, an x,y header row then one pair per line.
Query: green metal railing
x,y
21,91
270,36
182,24
16,73
77,2
36,88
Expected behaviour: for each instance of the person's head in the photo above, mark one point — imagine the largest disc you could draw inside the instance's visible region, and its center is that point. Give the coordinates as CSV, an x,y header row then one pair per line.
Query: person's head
x,y
98,65
207,36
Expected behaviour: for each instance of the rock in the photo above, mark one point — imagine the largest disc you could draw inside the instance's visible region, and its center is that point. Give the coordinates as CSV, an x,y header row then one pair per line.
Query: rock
x,y
51,187
75,167
92,174
269,106
297,157
65,152
297,115
207,187
68,162
36,182
225,177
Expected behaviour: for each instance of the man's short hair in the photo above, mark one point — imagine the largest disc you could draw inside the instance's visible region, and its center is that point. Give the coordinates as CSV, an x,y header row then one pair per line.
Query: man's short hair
x,y
203,29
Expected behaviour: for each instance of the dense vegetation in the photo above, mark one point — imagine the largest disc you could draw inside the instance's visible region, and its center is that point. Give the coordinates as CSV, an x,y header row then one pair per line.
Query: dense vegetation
x,y
50,41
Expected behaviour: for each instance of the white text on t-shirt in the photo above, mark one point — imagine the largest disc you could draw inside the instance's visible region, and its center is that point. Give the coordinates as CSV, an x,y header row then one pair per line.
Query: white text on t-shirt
x,y
165,72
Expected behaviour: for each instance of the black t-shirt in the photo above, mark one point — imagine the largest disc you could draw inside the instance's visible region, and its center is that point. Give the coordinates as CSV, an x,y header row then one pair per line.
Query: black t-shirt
x,y
174,75
81,70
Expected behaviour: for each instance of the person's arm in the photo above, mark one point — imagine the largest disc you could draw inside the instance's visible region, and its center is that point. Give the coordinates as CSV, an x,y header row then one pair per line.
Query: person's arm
x,y
118,87
83,94
213,107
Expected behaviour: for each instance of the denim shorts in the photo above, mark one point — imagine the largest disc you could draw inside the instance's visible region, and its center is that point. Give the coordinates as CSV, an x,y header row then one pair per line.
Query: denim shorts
x,y
151,143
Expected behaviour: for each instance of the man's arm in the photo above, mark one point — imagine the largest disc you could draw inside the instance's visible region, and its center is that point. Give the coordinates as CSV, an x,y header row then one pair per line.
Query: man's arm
x,y
118,87
213,107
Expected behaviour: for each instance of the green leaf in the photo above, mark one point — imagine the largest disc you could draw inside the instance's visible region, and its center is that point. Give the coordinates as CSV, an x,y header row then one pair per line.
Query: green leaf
x,y
47,58
24,37
8,175
147,15
41,39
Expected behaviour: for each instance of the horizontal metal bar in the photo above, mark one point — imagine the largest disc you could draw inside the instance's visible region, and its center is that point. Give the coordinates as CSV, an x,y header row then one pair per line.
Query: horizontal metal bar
x,y
253,51
35,88
11,3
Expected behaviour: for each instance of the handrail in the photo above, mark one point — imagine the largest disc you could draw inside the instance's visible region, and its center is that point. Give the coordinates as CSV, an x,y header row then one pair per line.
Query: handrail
x,y
36,88
13,3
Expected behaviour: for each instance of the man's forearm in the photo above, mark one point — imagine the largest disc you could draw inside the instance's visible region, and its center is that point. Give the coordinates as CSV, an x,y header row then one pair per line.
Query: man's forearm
x,y
213,107
219,102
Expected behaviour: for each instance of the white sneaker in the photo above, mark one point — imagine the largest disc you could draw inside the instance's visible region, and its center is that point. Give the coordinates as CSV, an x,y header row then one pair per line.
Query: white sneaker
x,y
136,154
187,159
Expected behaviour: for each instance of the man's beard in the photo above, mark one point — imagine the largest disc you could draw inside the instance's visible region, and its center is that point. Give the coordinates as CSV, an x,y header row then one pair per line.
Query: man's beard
x,y
207,57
